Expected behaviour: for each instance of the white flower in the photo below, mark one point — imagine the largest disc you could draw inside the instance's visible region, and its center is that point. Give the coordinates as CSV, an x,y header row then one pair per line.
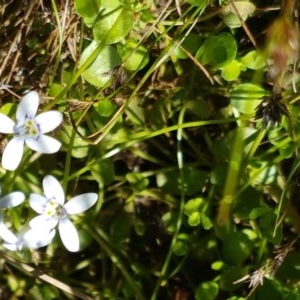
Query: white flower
x,y
11,200
53,211
29,129
31,239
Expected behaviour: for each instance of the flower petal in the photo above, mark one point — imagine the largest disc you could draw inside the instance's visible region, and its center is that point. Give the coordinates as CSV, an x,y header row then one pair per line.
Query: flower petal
x,y
42,223
37,202
44,144
49,120
35,238
11,246
6,124
53,190
11,200
6,234
12,154
28,106
80,203
68,234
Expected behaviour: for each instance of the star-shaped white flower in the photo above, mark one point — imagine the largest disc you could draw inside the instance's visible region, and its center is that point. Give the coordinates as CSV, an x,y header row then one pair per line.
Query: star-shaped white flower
x,y
30,239
29,129
53,210
11,200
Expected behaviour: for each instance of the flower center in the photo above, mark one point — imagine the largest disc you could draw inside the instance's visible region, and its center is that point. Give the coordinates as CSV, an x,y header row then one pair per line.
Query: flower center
x,y
29,129
54,210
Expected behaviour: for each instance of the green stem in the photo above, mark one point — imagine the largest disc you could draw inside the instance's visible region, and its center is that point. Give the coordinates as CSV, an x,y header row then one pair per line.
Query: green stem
x,y
68,161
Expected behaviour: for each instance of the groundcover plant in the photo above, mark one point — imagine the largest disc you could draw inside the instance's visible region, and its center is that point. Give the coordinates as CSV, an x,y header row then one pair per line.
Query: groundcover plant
x,y
149,149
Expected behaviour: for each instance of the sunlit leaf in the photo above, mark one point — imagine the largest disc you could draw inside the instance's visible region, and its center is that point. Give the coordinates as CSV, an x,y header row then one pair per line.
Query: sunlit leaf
x,y
104,107
115,23
246,96
231,71
88,10
253,60
230,16
100,71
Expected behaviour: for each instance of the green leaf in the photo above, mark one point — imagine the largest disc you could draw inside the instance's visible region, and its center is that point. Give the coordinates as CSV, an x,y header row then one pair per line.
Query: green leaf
x,y
182,244
191,43
194,219
259,211
103,172
87,8
207,290
263,174
230,17
170,220
114,25
193,205
271,289
120,229
246,96
137,181
205,221
55,89
218,50
135,56
236,248
80,147
199,107
171,181
253,60
231,71
104,108
8,108
247,200
229,276
100,71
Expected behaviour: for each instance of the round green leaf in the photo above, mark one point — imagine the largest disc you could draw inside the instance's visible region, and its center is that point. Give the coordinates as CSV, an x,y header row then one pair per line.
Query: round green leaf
x,y
192,206
120,229
218,50
114,25
246,96
105,107
182,244
191,43
135,56
229,16
231,71
170,220
87,8
236,248
253,60
99,72
207,290
194,219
